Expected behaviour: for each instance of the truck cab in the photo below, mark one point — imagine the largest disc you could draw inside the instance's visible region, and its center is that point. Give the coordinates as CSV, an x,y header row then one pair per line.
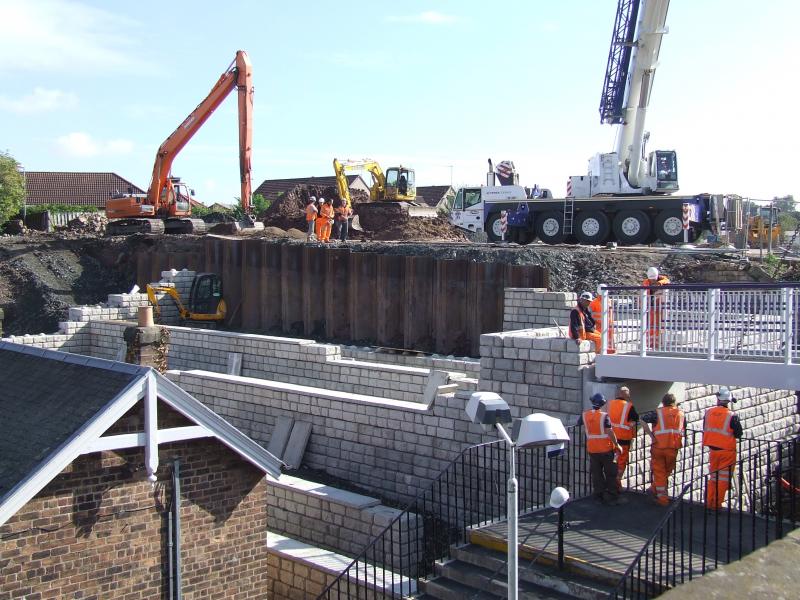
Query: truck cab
x,y
476,209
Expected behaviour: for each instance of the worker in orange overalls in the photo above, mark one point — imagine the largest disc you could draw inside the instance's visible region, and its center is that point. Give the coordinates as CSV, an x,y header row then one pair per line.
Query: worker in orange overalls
x,y
623,421
596,308
326,215
601,443
721,429
311,217
655,302
581,323
667,437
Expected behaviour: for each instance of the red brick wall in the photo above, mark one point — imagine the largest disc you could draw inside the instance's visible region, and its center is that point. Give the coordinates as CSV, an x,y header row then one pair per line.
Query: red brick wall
x,y
99,529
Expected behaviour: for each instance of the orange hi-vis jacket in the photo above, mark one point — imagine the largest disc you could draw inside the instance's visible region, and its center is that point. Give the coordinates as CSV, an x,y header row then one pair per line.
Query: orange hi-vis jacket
x,y
662,280
619,411
326,212
311,212
717,430
597,440
668,430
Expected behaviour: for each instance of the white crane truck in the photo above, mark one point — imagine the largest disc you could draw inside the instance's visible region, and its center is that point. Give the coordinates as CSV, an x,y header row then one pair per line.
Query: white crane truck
x,y
627,195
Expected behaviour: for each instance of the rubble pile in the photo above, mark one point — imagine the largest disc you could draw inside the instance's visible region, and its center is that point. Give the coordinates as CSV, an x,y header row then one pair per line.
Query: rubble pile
x,y
88,223
289,210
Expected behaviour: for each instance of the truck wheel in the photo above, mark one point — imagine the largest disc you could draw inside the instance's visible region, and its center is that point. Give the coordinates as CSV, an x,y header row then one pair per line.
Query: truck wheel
x,y
592,228
631,227
669,226
493,228
550,227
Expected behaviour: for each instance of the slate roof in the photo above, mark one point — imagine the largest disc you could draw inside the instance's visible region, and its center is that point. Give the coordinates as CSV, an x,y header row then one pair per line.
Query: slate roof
x,y
432,194
66,187
44,403
53,404
272,188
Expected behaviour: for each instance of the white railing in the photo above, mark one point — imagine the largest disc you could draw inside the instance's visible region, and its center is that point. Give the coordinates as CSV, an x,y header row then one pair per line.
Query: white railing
x,y
715,322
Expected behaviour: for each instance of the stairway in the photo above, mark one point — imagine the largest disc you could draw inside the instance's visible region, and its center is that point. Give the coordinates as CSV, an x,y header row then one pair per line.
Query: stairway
x,y
478,573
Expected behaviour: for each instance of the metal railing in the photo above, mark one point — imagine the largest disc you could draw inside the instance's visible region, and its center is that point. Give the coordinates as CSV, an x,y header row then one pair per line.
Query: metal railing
x,y
762,505
716,322
469,493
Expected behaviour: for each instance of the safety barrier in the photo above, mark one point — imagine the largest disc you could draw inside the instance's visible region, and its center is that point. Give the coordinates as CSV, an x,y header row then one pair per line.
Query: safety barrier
x,y
715,322
762,505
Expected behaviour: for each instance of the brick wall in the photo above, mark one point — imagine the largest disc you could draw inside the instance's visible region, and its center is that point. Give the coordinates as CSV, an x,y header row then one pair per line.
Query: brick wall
x,y
98,529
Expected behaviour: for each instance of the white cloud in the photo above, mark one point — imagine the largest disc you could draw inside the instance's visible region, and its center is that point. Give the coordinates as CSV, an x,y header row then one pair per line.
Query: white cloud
x,y
65,36
82,145
428,17
40,100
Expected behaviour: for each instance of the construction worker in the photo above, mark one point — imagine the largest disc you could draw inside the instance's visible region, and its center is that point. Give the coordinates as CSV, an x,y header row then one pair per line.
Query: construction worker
x,y
721,429
667,437
320,220
601,443
582,324
326,215
655,301
623,421
342,219
311,218
596,308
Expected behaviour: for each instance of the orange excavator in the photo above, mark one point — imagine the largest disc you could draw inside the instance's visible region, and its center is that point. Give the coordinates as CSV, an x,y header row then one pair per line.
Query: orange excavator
x,y
167,206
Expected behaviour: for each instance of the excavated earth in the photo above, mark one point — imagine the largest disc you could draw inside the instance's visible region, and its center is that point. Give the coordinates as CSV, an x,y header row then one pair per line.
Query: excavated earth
x,y
42,275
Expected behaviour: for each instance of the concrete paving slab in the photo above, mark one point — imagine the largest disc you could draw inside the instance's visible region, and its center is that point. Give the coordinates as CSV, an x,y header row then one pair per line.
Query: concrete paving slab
x,y
296,446
280,436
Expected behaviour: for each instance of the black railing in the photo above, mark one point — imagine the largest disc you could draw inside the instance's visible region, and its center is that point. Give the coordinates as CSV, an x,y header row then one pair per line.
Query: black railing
x,y
470,492
691,540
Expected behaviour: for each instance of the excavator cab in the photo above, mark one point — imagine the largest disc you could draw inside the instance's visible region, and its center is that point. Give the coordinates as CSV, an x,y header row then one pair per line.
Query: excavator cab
x,y
400,184
205,294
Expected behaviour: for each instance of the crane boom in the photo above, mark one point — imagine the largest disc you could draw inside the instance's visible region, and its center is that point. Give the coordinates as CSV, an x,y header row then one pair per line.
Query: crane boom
x,y
238,75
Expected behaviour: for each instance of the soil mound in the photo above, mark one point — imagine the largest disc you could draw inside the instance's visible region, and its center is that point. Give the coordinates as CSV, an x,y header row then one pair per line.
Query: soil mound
x,y
418,229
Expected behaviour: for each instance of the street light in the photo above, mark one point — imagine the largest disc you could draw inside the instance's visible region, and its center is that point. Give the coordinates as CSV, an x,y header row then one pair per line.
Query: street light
x,y
488,410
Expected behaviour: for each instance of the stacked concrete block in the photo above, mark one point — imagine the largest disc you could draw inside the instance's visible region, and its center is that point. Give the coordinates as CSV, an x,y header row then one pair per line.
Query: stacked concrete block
x,y
338,520
527,308
466,365
181,281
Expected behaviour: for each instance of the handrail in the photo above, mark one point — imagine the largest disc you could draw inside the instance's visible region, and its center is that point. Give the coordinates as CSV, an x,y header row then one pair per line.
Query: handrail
x,y
704,286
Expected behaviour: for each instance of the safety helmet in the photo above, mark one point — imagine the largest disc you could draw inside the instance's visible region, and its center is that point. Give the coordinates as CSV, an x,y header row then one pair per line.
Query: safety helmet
x,y
322,200
586,296
313,199
724,395
652,273
597,400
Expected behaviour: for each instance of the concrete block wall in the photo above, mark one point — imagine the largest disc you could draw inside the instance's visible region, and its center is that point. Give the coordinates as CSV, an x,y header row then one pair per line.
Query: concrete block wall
x,y
391,447
469,366
525,308
335,519
168,313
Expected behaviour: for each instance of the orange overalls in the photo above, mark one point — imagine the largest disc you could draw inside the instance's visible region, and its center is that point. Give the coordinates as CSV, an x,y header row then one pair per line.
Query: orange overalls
x,y
654,311
324,222
718,436
311,217
596,307
668,433
619,411
593,336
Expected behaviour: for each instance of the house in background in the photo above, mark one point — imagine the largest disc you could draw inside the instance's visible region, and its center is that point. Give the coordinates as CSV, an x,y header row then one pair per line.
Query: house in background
x,y
435,196
76,189
114,482
272,188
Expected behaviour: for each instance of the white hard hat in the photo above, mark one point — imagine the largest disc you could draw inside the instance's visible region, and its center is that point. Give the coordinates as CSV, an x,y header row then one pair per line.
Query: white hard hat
x,y
724,395
586,296
652,273
313,198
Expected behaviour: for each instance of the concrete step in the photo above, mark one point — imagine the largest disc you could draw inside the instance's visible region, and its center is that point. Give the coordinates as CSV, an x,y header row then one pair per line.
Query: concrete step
x,y
467,384
564,583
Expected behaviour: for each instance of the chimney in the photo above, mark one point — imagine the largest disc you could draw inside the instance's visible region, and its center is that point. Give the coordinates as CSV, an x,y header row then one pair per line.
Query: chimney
x,y
147,343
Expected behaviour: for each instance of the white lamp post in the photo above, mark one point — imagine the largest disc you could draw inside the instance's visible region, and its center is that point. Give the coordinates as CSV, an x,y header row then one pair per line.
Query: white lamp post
x,y
490,410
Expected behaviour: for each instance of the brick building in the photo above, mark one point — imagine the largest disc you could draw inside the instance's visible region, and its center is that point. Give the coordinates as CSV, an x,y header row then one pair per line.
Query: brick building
x,y
78,189
93,456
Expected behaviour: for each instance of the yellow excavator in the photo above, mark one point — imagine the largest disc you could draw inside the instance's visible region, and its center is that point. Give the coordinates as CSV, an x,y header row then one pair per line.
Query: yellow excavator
x,y
762,225
205,299
392,195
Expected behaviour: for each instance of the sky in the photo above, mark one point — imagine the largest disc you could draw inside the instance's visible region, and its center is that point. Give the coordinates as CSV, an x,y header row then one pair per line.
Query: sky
x,y
437,85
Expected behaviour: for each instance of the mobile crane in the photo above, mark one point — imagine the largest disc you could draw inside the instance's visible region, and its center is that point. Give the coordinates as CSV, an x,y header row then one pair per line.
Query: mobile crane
x,y
167,204
625,196
392,195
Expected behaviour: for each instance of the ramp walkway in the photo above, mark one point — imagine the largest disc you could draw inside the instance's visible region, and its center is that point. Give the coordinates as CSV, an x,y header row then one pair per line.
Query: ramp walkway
x,y
731,334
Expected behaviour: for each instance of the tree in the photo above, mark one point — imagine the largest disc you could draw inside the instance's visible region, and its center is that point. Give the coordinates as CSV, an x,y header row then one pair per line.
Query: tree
x,y
12,187
258,206
785,204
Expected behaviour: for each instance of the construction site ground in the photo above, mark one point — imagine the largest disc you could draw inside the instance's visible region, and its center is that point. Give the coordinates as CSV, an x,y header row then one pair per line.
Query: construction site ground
x,y
42,274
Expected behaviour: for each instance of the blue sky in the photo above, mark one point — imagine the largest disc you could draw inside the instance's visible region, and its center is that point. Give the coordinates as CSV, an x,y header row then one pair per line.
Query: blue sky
x,y
438,85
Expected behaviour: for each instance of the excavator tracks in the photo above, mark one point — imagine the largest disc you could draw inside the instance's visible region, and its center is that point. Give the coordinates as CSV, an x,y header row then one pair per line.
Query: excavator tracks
x,y
132,226
374,216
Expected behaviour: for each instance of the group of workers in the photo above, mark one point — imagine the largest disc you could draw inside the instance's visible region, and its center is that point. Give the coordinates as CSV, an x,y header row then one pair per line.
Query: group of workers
x,y
326,216
586,319
609,434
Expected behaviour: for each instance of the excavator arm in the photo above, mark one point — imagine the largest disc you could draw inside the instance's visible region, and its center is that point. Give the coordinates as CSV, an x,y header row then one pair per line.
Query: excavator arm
x,y
341,183
377,190
238,75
